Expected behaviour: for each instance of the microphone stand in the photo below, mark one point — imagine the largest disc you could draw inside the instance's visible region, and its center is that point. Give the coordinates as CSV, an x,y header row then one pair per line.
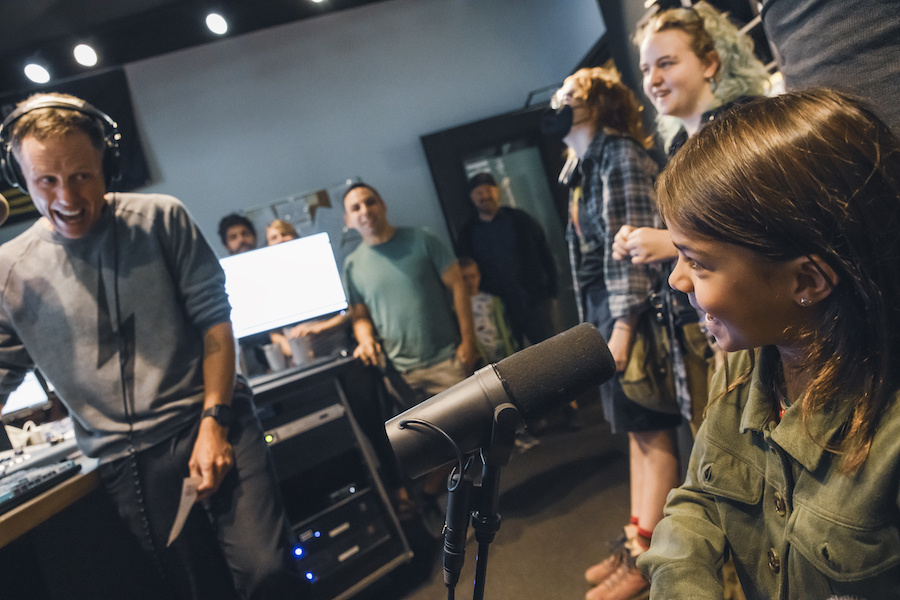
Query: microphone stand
x,y
486,519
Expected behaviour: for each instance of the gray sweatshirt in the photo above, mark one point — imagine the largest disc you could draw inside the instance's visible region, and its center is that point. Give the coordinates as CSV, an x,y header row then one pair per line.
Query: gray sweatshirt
x,y
114,320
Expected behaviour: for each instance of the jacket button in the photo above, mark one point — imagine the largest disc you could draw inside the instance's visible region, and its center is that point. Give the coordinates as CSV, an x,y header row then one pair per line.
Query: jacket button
x,y
780,504
774,561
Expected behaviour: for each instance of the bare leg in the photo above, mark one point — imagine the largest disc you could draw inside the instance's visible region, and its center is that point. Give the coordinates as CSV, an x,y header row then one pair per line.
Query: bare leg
x,y
636,474
658,464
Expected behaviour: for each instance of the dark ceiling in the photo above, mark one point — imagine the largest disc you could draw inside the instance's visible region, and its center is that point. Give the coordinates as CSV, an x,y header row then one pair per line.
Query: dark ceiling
x,y
123,31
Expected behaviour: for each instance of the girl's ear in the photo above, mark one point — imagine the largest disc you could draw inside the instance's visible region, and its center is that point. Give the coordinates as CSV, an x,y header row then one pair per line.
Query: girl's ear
x,y
711,64
815,280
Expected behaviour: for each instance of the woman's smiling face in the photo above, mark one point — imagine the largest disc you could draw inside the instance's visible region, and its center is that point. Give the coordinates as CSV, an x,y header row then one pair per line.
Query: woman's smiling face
x,y
676,80
746,298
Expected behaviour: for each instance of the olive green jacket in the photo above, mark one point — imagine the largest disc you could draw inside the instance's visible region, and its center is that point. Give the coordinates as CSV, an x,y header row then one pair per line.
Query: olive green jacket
x,y
796,527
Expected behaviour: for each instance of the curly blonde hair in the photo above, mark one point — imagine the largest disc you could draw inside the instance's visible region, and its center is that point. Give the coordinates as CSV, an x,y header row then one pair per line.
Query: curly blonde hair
x,y
739,74
612,105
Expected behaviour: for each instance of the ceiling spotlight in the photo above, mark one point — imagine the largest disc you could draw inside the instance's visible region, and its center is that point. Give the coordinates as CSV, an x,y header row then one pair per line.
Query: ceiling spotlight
x,y
216,23
318,1
85,55
37,73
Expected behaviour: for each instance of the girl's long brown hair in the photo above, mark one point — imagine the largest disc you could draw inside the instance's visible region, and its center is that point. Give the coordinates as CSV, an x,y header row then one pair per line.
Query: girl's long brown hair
x,y
811,173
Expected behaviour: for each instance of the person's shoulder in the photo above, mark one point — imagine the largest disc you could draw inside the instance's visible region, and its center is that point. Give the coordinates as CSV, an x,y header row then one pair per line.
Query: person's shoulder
x,y
518,213
21,251
417,231
13,249
733,367
419,234
620,147
147,204
355,254
626,144
737,365
715,113
131,199
889,423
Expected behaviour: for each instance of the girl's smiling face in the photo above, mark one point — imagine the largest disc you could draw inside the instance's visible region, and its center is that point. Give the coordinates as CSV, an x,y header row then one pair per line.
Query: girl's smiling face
x,y
675,79
748,300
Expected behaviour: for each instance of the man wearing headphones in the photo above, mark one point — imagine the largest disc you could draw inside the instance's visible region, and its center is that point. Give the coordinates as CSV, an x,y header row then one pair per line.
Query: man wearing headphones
x,y
121,303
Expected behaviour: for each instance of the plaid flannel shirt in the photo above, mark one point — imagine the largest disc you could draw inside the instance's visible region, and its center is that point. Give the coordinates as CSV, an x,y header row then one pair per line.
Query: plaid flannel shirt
x,y
617,183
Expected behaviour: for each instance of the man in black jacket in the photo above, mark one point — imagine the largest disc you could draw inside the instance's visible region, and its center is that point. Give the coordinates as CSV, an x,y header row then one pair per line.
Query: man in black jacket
x,y
515,261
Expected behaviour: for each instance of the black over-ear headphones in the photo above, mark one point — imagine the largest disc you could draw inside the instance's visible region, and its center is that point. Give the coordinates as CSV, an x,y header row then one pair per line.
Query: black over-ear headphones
x,y
112,164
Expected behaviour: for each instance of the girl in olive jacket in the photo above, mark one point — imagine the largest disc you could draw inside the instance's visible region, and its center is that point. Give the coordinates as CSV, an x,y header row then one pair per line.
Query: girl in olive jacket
x,y
786,216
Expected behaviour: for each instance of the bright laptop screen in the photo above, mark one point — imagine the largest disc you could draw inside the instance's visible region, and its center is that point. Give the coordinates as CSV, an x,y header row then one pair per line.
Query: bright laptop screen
x,y
29,394
283,284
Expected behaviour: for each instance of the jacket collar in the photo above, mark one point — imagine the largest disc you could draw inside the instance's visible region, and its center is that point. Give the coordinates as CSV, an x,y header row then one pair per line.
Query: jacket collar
x,y
804,442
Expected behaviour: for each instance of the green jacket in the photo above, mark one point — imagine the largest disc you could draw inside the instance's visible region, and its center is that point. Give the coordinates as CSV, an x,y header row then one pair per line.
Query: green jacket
x,y
796,527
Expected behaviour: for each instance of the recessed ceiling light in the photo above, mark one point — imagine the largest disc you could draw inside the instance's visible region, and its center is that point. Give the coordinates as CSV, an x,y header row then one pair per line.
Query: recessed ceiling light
x,y
37,73
216,23
318,1
85,55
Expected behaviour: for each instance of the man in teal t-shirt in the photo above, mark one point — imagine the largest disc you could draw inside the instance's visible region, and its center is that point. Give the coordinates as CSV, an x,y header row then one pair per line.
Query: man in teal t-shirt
x,y
397,284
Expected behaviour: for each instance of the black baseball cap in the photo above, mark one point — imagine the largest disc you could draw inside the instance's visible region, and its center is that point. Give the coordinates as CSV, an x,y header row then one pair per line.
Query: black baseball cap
x,y
481,179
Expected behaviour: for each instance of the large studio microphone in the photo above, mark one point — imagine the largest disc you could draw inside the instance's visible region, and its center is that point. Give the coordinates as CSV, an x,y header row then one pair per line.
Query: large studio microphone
x,y
535,380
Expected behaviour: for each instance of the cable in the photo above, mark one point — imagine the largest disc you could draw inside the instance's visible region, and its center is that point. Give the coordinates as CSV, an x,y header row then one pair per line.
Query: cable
x,y
456,523
405,424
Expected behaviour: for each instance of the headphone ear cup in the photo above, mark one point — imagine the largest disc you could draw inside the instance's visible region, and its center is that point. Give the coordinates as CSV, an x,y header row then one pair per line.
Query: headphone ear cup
x,y
10,169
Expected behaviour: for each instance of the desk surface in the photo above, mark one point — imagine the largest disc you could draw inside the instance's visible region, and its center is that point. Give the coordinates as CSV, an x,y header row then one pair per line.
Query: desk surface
x,y
264,383
30,514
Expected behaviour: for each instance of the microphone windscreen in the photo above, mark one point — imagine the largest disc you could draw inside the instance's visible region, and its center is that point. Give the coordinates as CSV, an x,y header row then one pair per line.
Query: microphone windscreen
x,y
550,374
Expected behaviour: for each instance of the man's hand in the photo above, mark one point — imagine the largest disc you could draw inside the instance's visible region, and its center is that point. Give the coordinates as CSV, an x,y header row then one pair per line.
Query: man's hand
x,y
212,456
368,351
304,329
467,352
211,459
468,355
644,245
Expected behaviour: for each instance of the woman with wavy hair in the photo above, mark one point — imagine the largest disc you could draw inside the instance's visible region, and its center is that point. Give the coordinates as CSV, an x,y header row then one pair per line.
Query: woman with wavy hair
x,y
616,177
696,65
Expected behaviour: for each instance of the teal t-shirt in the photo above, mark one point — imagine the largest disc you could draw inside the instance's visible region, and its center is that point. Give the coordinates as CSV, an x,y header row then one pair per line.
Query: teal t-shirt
x,y
400,283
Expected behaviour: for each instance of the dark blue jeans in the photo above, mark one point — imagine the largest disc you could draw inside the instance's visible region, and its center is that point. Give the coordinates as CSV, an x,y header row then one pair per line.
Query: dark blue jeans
x,y
238,544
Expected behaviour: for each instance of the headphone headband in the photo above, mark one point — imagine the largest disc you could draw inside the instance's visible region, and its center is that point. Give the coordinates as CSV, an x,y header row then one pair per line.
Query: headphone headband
x,y
9,167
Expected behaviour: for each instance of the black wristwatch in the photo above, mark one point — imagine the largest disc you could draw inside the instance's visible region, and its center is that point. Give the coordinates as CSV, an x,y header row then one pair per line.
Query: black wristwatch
x,y
222,413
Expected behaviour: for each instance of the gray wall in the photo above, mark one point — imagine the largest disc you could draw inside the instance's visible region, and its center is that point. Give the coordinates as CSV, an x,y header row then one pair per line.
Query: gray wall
x,y
248,120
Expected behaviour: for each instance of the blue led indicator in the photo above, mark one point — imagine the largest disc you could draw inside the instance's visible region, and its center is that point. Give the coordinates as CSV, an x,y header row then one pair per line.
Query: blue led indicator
x,y
352,490
317,534
298,551
309,576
